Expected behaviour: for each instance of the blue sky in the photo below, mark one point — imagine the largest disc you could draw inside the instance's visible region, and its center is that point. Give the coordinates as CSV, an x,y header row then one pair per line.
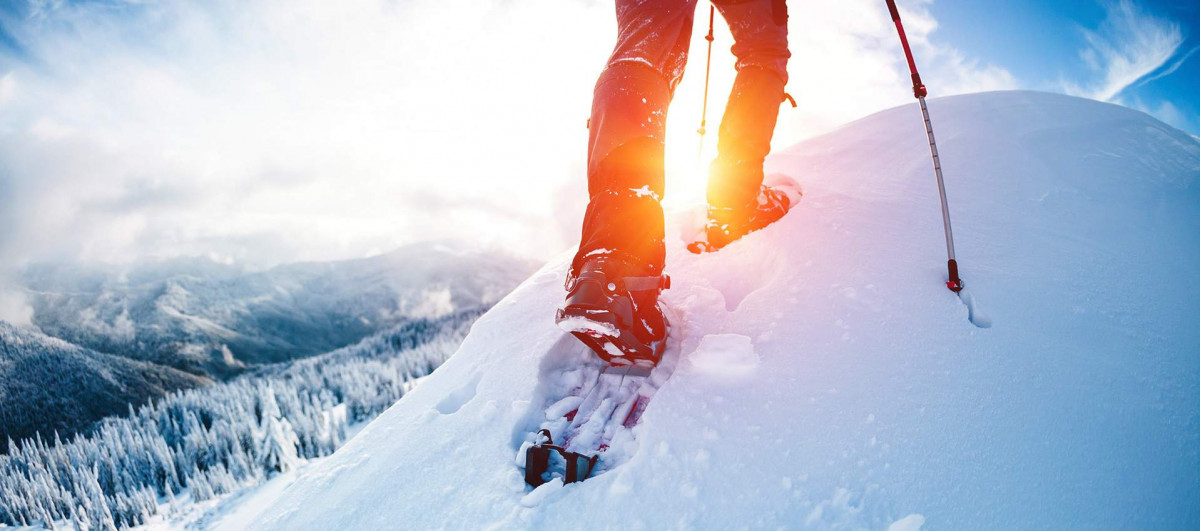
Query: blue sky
x,y
268,131
1040,41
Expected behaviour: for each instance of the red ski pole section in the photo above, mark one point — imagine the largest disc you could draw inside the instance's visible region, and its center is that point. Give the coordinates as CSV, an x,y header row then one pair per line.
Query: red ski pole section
x,y
918,87
912,65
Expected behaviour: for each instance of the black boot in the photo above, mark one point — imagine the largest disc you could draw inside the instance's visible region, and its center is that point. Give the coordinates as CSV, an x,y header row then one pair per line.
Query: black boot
x,y
726,225
612,306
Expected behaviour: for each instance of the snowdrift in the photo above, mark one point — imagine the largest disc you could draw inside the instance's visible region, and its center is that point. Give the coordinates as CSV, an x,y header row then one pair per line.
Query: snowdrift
x,y
827,378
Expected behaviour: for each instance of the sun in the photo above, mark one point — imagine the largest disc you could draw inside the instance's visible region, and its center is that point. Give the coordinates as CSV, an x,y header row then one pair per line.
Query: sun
x,y
688,153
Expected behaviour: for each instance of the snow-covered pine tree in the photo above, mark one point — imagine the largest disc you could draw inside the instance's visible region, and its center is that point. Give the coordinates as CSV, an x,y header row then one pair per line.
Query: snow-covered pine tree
x,y
211,440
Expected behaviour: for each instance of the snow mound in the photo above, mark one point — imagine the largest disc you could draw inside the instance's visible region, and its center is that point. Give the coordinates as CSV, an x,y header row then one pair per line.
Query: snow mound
x,y
827,377
725,356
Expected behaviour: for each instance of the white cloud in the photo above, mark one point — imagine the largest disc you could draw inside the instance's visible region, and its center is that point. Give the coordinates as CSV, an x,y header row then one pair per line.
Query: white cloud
x,y
1128,45
434,303
1171,69
277,130
846,63
14,308
290,130
8,87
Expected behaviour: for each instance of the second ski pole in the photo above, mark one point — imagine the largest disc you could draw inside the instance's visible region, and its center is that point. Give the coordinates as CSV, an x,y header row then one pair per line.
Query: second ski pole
x,y
707,68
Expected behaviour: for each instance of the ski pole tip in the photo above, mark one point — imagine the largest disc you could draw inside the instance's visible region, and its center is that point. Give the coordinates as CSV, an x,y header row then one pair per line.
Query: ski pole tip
x,y
954,282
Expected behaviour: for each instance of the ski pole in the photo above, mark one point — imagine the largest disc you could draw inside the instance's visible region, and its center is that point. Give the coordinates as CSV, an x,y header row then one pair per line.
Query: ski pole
x,y
954,283
707,68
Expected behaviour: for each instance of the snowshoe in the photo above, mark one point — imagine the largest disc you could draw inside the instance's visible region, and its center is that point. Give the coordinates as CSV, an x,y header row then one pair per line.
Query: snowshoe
x,y
578,430
726,225
615,314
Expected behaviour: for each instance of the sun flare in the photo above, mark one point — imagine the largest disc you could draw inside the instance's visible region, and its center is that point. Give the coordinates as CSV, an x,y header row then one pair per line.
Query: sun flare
x,y
688,154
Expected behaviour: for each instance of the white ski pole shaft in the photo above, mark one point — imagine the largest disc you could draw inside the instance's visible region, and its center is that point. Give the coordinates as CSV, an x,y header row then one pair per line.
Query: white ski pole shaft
x,y
937,170
707,68
954,282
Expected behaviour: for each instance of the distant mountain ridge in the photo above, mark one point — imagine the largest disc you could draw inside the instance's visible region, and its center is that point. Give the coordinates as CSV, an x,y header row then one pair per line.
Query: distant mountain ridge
x,y
213,319
114,335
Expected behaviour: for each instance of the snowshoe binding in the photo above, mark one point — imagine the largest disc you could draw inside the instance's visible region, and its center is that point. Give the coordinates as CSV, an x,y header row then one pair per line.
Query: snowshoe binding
x,y
726,225
616,313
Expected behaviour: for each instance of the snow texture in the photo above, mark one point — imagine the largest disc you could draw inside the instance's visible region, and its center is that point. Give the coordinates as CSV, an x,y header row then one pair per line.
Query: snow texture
x,y
828,379
725,356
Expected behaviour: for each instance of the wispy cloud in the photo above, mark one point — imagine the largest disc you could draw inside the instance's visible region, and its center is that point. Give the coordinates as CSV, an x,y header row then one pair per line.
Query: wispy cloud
x,y
1171,69
8,86
1129,45
273,130
133,129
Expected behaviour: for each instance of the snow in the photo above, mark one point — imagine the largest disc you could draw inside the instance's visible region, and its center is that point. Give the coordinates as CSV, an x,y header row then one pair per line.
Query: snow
x,y
580,324
543,491
725,356
827,378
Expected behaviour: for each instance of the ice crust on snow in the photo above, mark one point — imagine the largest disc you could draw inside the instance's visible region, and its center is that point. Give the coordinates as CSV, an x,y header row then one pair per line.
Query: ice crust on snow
x,y
873,401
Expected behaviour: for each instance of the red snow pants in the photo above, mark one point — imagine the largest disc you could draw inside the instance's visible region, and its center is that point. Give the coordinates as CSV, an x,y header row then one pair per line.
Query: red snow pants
x,y
629,111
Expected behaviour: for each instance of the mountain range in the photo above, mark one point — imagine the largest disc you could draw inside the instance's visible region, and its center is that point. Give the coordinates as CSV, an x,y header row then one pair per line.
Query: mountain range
x,y
214,319
105,337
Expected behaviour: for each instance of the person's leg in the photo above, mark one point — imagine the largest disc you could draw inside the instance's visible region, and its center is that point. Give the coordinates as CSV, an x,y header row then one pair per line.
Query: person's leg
x,y
627,133
759,30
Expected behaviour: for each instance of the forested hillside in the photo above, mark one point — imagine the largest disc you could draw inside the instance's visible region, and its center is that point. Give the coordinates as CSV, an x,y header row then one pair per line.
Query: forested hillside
x,y
218,439
50,385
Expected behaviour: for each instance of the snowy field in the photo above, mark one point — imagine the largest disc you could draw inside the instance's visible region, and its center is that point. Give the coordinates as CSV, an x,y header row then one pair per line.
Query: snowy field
x,y
826,378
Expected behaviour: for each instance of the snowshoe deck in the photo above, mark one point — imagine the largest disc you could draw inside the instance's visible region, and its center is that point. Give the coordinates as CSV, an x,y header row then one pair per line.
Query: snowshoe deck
x,y
580,430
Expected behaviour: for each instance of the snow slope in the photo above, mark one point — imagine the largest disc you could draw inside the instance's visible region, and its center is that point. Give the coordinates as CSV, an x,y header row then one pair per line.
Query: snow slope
x,y
827,378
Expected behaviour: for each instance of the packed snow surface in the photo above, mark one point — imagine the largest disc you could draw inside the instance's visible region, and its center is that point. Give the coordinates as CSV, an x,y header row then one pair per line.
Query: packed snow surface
x,y
827,378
